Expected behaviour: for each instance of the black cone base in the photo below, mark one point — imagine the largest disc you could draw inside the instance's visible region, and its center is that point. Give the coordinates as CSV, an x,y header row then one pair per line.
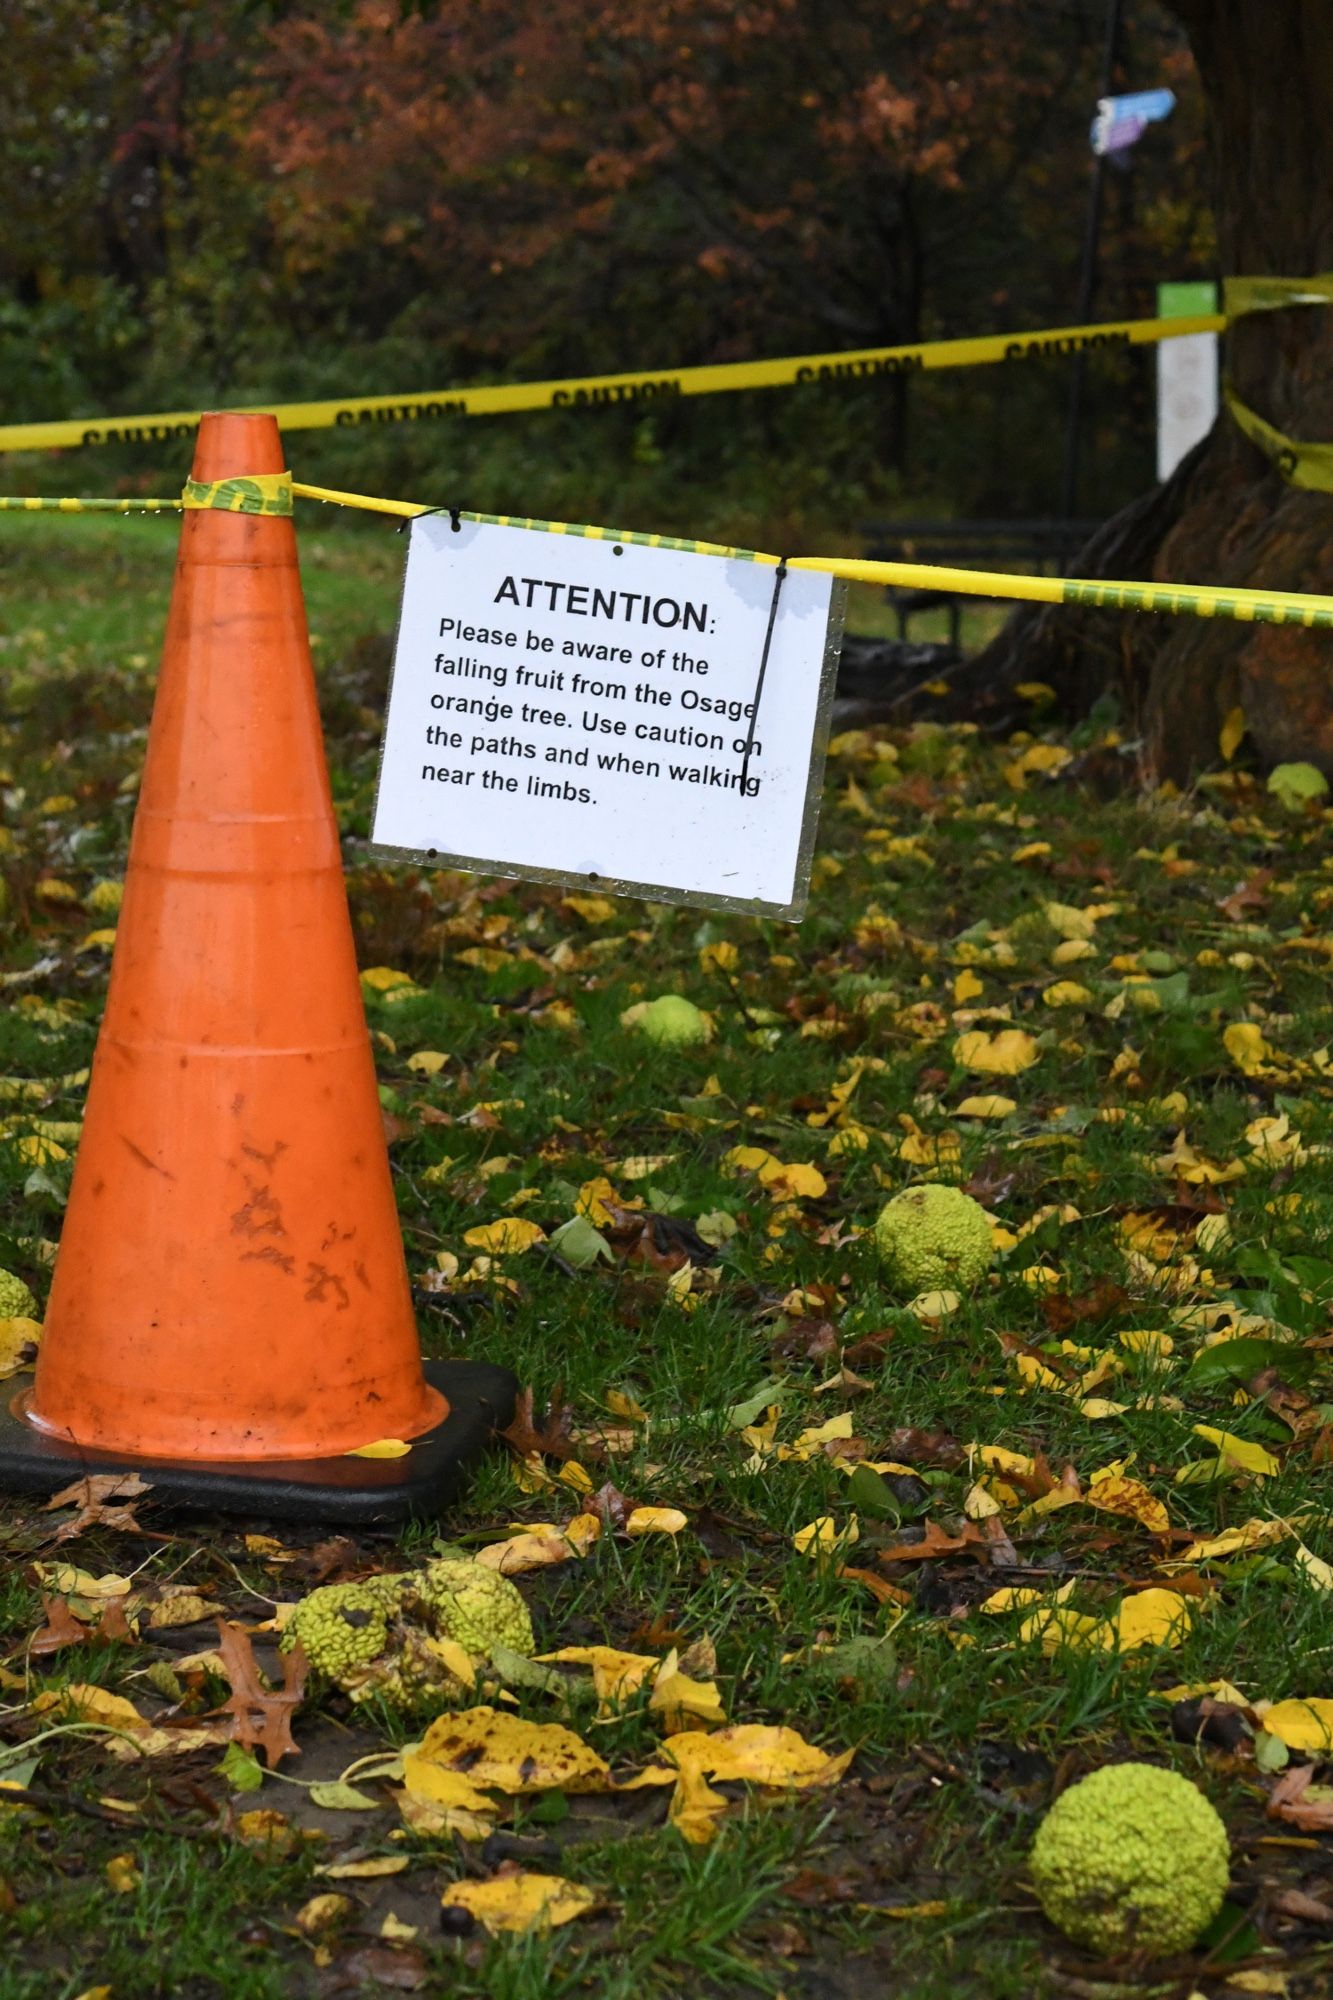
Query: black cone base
x,y
344,1490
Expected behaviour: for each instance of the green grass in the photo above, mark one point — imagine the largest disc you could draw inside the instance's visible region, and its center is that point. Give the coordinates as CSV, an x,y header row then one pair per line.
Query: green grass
x,y
961,1728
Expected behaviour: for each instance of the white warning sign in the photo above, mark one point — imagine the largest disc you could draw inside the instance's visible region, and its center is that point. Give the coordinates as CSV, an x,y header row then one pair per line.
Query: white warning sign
x,y
583,710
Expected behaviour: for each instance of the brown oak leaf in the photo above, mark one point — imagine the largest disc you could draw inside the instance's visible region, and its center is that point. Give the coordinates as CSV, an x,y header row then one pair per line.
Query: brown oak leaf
x,y
260,1714
62,1628
92,1496
554,1438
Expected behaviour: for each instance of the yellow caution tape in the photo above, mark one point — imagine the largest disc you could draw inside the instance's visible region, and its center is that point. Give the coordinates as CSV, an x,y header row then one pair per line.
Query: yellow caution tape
x,y
1305,465
1250,295
254,493
411,510
583,392
1309,466
24,504
1265,607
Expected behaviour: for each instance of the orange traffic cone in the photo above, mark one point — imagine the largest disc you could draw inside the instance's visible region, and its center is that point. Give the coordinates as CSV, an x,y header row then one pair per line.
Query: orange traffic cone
x,y
230,1311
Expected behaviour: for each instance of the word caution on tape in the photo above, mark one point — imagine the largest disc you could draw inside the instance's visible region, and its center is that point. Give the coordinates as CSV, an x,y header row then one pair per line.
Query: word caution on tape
x,y
594,711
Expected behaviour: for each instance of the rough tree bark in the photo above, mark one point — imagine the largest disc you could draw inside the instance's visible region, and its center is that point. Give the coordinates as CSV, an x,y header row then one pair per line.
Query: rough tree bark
x,y
1226,516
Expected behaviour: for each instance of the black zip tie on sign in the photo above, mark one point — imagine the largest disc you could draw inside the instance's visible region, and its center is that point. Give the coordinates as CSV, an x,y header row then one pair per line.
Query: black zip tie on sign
x,y
455,517
778,582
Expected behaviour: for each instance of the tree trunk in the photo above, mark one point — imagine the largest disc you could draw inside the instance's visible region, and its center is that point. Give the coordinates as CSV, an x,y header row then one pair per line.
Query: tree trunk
x,y
1226,516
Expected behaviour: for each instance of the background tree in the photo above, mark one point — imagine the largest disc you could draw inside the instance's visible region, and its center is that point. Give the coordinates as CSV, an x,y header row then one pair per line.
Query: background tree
x,y
1227,516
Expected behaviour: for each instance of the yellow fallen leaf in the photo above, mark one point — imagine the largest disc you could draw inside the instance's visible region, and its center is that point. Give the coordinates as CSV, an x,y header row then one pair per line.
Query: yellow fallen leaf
x,y
1149,1341
1127,1496
582,1532
655,1521
1240,1452
19,1340
1152,1618
427,1062
320,1911
532,1549
381,1448
757,1753
383,979
434,1785
932,1306
990,1106
1239,1540
396,1931
642,1166
721,957
520,1901
1069,921
998,1458
1246,1046
38,1151
592,909
616,1676
593,1197
812,1440
122,1875
67,1581
1045,758
1053,1630
1301,1725
501,1752
508,1237
1317,1573
1007,1053
1191,1690
181,1607
1037,1375
263,1826
1068,993
1010,1597
675,1696
938,1150
1231,734
823,1535
797,1181
1185,1163
370,1870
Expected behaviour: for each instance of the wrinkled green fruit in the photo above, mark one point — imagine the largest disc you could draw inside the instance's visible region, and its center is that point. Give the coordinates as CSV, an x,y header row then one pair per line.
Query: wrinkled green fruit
x,y
340,1626
16,1301
1131,1859
674,1022
474,1605
934,1238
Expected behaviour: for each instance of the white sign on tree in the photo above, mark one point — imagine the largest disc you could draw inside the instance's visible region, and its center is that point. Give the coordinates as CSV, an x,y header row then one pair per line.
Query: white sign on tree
x,y
574,709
